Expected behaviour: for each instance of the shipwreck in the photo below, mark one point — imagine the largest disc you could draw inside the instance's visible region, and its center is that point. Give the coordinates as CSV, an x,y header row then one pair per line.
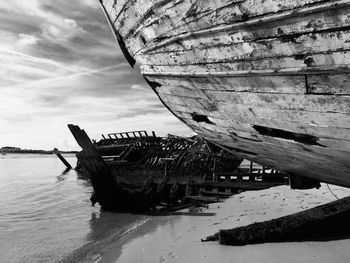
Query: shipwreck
x,y
142,172
268,80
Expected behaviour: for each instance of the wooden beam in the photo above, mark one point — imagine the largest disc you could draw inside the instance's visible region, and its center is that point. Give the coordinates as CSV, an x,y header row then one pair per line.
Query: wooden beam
x,y
63,160
306,225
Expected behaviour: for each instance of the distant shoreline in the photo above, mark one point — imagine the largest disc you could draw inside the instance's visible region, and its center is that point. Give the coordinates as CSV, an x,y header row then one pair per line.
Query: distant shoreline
x,y
36,152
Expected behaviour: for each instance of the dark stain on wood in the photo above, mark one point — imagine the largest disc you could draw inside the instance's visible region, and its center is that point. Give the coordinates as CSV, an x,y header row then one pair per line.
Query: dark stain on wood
x,y
309,61
201,118
153,84
287,135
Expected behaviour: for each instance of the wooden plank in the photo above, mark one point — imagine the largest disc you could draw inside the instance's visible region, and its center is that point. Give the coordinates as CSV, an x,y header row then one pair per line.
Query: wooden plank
x,y
272,147
330,133
241,185
316,84
162,15
247,114
329,84
145,21
211,100
92,160
63,160
199,14
300,47
135,10
319,131
327,148
288,29
118,7
331,137
258,84
337,62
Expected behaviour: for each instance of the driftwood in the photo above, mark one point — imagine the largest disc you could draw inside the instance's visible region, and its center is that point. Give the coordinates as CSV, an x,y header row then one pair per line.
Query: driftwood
x,y
318,223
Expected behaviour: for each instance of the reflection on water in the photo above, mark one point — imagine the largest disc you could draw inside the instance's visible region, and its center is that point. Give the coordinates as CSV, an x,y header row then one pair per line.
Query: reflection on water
x,y
46,215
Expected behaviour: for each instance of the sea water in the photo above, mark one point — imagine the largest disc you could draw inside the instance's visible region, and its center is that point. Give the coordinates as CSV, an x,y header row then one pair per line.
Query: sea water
x,y
46,214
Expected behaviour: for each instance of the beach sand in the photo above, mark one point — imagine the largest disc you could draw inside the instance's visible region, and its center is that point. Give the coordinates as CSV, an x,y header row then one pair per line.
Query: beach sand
x,y
177,238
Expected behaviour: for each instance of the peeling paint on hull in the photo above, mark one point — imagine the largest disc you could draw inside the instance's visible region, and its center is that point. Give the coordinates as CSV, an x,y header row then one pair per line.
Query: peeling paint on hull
x,y
268,78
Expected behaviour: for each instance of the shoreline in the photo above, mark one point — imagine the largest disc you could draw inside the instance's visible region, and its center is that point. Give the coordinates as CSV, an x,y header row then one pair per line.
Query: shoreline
x,y
177,238
37,152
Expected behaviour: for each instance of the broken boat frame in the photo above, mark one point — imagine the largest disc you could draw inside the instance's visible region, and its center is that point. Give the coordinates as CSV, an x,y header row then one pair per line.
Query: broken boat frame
x,y
137,171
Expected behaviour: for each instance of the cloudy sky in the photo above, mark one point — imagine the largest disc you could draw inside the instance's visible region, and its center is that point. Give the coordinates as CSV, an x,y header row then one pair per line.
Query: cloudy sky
x,y
59,64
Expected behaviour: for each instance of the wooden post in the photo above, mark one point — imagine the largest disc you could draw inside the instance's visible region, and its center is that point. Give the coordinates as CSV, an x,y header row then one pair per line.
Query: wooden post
x,y
214,170
251,176
64,161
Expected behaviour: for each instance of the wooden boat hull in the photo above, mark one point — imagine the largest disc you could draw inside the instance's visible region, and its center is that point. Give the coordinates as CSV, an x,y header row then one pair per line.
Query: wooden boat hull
x,y
268,79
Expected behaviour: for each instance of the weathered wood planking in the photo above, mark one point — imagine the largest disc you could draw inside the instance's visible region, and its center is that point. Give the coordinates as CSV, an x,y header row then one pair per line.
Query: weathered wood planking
x,y
328,133
336,62
268,78
211,99
243,114
286,158
324,147
294,24
161,16
159,19
244,127
241,118
287,29
301,47
321,152
331,84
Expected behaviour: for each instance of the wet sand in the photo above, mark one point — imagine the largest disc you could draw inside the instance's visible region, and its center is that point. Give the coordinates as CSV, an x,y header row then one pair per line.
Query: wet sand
x,y
177,238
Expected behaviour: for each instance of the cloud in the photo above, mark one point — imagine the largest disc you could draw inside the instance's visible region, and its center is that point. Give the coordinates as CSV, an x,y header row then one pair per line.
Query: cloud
x,y
60,64
27,40
63,31
91,3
